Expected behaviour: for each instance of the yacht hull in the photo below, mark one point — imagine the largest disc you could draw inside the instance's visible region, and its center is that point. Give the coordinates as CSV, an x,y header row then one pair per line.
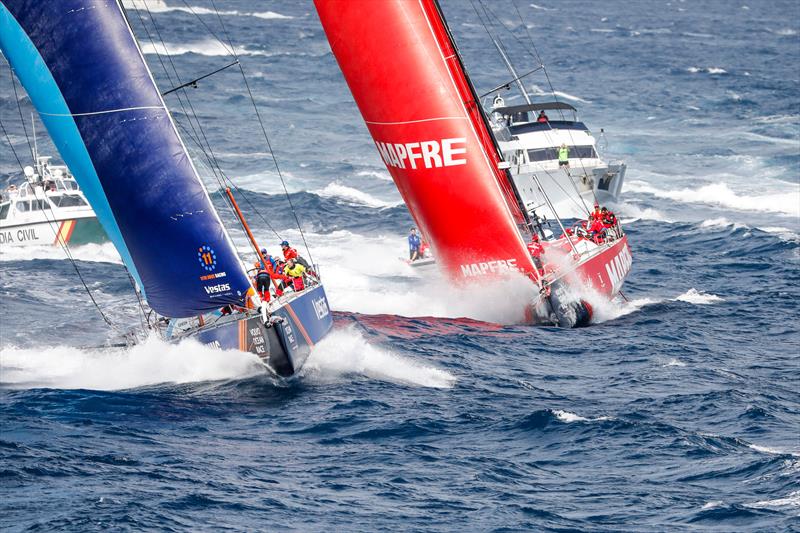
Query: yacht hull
x,y
71,231
283,345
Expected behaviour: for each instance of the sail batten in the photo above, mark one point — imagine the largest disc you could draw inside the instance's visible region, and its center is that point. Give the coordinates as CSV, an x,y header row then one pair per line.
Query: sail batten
x,y
82,67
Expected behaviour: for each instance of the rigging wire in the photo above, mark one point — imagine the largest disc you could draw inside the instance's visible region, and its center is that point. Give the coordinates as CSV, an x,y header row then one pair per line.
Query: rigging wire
x,y
223,180
264,131
535,52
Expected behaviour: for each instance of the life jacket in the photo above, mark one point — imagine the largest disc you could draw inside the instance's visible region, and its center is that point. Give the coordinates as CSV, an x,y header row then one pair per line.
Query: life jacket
x,y
289,253
563,154
296,271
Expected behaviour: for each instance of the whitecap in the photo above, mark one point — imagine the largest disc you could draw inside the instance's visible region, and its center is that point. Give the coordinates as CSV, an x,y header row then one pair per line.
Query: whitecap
x,y
338,190
720,194
568,417
92,252
149,363
209,47
345,352
542,8
790,500
693,296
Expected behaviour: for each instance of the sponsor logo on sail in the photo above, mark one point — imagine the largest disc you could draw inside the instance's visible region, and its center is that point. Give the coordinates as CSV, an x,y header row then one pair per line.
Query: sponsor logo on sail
x,y
218,289
488,267
207,258
424,154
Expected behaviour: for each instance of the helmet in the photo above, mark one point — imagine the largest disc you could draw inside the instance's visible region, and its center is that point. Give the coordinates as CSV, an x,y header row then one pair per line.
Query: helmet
x,y
285,243
264,251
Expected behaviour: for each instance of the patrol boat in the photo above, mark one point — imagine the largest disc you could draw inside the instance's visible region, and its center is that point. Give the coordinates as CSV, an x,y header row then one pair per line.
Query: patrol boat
x,y
109,122
450,169
49,208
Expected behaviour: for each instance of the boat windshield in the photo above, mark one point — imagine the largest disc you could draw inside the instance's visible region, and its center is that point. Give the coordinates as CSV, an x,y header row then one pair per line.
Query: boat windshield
x,y
67,200
575,152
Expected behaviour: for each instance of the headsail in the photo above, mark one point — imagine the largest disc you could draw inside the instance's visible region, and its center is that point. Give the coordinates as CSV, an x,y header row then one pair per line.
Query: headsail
x,y
406,77
84,72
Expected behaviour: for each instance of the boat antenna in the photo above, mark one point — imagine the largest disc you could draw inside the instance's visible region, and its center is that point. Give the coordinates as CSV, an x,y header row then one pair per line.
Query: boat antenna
x,y
263,131
512,70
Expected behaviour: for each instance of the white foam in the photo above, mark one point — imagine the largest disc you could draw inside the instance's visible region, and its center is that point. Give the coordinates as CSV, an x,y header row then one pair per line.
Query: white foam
x,y
693,296
568,417
368,274
338,190
790,500
714,504
784,234
384,176
149,363
160,6
209,47
708,70
720,194
269,15
345,352
98,253
535,89
542,8
771,451
674,362
722,222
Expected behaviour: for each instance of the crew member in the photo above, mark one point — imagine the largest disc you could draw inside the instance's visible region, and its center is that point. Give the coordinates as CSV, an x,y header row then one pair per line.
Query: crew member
x,y
262,280
295,271
597,230
597,214
563,157
291,253
542,117
414,242
536,250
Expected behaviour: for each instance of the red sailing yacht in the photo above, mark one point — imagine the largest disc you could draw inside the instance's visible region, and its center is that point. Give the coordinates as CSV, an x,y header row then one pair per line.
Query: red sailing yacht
x,y
407,78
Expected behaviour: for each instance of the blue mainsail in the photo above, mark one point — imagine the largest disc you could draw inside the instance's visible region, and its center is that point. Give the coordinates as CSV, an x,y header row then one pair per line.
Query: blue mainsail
x,y
84,72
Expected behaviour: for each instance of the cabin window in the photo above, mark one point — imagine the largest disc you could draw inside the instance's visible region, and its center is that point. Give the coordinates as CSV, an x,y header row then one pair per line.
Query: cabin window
x,y
575,152
4,211
69,200
22,207
38,205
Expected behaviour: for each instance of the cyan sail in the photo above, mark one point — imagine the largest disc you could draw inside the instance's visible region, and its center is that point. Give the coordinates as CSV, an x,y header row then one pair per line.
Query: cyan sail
x,y
84,72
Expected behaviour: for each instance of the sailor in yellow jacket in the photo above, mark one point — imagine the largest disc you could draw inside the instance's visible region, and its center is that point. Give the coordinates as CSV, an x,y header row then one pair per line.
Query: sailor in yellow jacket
x,y
296,271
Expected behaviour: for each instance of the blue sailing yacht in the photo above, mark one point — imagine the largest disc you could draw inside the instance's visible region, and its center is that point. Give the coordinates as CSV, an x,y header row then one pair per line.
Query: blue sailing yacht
x,y
85,74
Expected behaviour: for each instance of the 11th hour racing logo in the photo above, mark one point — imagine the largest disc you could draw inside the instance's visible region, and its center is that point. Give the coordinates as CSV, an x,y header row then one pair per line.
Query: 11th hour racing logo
x,y
207,258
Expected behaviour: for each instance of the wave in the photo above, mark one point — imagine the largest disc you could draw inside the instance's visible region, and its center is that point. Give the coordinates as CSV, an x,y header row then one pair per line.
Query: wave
x,y
542,8
719,194
708,70
209,47
568,417
160,6
349,194
345,352
150,363
693,296
384,176
538,91
97,253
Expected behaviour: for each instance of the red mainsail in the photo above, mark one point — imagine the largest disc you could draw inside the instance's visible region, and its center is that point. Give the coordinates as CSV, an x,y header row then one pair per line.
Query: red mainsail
x,y
408,82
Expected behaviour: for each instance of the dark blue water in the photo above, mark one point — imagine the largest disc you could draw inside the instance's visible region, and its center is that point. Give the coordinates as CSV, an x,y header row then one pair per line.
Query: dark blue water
x,y
679,410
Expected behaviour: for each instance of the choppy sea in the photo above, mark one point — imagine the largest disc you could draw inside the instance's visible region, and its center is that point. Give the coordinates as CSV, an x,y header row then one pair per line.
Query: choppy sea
x,y
427,409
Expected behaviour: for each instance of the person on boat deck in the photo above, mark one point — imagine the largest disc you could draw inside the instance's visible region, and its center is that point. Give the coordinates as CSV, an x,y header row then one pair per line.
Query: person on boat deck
x,y
542,117
597,230
608,217
536,250
563,157
424,248
295,271
262,280
414,242
268,257
291,253
597,214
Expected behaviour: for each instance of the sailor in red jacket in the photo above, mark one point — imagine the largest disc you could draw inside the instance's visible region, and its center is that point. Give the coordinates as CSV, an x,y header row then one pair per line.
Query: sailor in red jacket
x,y
288,251
536,250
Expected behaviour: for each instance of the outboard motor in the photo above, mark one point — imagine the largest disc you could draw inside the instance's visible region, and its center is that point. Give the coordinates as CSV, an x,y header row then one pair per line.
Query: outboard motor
x,y
568,311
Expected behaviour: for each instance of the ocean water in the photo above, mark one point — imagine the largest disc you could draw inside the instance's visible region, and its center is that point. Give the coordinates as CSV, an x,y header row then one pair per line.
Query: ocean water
x,y
427,409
